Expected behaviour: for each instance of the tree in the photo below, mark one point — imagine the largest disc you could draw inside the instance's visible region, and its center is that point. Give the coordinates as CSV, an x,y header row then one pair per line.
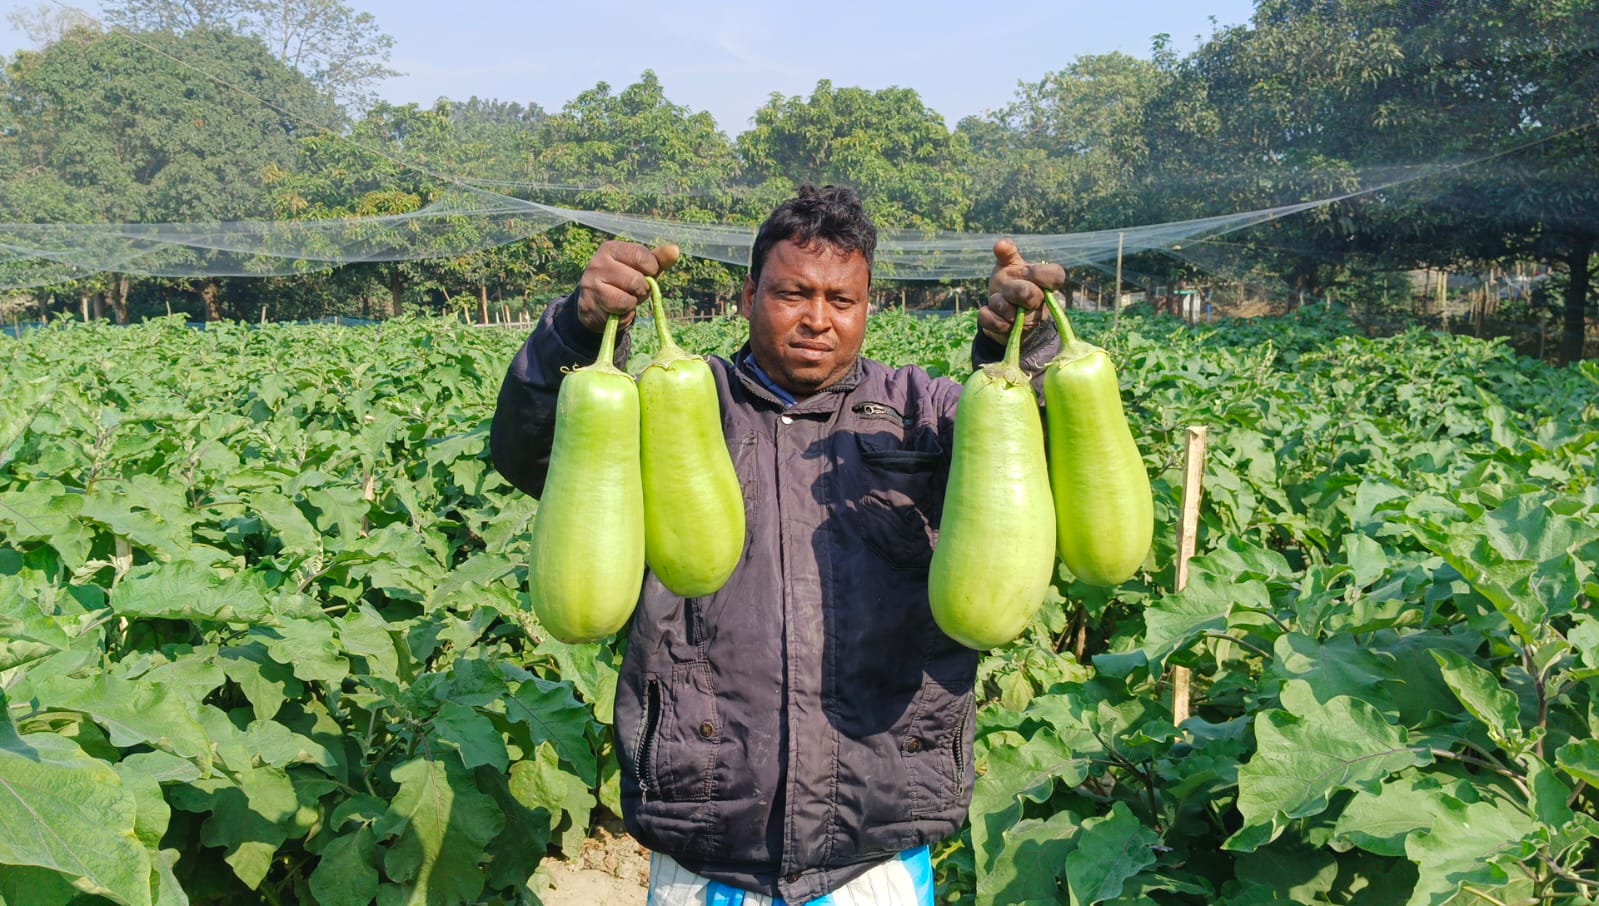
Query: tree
x,y
104,130
1066,153
45,24
898,154
635,151
343,52
396,161
1496,99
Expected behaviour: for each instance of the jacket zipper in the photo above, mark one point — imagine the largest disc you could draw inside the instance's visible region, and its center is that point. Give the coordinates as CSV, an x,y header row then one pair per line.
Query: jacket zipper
x,y
646,743
882,411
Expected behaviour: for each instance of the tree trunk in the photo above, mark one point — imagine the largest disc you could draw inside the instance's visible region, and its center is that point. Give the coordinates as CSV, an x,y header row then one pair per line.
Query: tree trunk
x,y
83,305
97,305
1576,327
482,304
210,293
396,290
119,299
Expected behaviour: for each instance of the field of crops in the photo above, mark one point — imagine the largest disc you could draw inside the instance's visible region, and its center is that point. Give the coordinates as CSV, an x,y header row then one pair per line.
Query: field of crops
x,y
263,632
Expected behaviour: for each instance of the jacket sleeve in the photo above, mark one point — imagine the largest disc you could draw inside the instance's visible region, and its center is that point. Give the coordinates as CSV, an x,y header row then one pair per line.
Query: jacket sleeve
x,y
523,429
1038,347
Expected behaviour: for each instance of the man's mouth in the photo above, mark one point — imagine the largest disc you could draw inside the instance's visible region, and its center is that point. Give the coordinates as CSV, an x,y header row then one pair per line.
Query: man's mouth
x,y
811,351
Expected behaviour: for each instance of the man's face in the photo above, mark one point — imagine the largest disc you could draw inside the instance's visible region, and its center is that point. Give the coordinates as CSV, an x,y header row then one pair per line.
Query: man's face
x,y
808,314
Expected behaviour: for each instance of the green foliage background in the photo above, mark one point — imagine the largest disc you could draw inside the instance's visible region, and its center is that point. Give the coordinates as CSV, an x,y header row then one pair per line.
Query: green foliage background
x,y
1494,102
264,633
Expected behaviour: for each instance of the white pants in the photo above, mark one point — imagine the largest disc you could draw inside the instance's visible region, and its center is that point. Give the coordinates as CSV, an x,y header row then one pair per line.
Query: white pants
x,y
905,881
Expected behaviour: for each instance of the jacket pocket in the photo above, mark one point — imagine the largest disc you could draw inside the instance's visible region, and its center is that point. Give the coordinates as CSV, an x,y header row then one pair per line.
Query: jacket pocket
x,y
681,732
937,759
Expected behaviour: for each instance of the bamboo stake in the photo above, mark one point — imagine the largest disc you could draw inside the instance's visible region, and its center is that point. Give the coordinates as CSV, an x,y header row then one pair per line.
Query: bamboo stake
x,y
1116,318
1187,537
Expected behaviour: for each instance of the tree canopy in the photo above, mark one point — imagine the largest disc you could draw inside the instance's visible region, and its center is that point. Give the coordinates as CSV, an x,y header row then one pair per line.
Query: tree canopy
x,y
1480,114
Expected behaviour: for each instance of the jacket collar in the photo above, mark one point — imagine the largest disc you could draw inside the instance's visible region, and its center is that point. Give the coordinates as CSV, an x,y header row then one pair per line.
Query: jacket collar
x,y
825,399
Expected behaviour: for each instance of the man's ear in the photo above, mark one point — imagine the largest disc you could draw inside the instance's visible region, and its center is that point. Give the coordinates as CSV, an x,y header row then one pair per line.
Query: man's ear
x,y
746,298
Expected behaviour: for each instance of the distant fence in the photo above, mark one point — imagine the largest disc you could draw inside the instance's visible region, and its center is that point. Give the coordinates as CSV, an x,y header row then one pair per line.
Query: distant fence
x,y
17,328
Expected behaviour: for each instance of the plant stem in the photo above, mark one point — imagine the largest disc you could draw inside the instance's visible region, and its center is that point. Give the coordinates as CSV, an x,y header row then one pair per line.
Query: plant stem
x,y
659,308
1013,349
1063,325
1251,646
608,341
1512,776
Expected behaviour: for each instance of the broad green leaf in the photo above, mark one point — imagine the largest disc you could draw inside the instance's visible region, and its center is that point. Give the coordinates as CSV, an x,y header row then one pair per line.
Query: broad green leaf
x,y
1306,753
366,634
519,849
340,510
275,744
591,669
151,823
1584,636
1366,558
442,825
1379,821
1551,796
1494,706
1340,666
346,874
1032,861
64,811
265,682
551,713
541,783
295,532
470,578
1015,772
249,820
133,712
308,647
1172,621
27,633
1110,850
1580,759
1462,846
1296,873
24,885
44,511
186,590
472,734
147,512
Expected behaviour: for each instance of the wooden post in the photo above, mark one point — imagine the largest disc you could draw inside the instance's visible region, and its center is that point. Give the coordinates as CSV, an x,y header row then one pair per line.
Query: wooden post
x,y
1115,319
1187,536
1443,297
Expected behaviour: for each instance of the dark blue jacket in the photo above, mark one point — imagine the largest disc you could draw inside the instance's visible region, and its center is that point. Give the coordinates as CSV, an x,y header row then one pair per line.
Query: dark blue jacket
x,y
809,720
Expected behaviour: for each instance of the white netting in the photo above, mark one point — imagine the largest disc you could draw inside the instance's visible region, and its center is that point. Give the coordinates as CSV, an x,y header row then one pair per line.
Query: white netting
x,y
471,220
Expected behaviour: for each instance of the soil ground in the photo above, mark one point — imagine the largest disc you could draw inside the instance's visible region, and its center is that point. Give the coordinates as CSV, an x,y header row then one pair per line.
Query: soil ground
x,y
612,870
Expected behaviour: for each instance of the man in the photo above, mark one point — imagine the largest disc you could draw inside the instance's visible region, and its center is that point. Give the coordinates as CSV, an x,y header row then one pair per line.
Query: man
x,y
805,732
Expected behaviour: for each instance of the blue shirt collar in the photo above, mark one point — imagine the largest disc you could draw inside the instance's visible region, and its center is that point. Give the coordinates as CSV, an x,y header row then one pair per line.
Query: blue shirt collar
x,y
755,371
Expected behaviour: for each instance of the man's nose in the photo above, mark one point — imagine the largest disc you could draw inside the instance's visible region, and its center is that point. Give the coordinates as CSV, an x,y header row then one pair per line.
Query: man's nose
x,y
813,317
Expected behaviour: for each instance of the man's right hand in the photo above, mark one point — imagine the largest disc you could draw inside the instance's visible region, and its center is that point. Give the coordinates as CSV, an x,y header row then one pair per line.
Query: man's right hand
x,y
613,282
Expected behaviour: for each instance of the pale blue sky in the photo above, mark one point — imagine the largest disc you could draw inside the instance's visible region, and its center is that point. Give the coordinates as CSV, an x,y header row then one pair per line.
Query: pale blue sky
x,y
729,57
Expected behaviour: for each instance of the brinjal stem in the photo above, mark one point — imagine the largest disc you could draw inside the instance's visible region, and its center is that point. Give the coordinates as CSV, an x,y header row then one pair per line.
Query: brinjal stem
x,y
1013,349
659,308
1058,312
608,341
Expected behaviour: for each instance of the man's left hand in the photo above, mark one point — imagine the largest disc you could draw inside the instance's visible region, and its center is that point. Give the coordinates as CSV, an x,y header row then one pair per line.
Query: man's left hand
x,y
1016,286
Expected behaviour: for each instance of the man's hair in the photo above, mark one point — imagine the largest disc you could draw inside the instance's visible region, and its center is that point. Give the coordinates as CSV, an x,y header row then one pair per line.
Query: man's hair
x,y
831,215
